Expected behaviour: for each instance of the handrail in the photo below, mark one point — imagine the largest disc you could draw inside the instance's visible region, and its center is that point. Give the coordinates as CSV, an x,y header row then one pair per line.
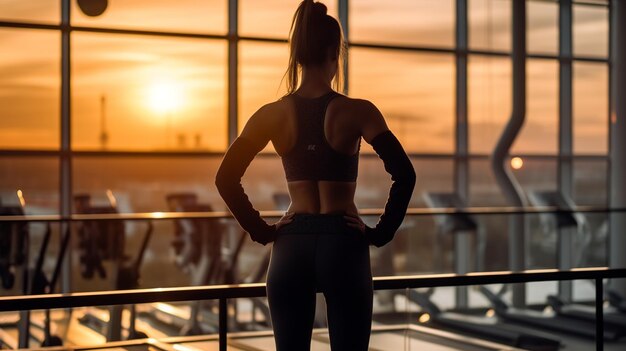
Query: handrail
x,y
209,292
224,292
415,211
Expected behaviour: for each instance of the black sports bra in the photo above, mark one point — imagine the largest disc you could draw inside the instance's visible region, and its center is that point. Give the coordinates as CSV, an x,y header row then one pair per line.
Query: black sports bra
x,y
312,157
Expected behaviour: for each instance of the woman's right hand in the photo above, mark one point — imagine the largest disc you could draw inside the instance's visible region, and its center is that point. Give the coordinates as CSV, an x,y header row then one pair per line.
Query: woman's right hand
x,y
353,220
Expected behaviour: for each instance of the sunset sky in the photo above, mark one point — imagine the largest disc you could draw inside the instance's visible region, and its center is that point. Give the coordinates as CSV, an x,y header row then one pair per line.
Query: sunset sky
x,y
172,93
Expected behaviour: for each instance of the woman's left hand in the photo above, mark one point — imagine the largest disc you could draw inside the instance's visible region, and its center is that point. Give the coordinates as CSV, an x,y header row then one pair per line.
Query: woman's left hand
x,y
284,220
354,221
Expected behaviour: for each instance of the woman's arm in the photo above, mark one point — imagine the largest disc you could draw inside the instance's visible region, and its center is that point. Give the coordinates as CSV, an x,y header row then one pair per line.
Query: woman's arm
x,y
398,165
253,139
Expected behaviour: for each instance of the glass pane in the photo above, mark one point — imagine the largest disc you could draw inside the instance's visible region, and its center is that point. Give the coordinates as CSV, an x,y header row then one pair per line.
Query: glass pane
x,y
489,99
543,27
591,31
40,194
32,10
490,24
146,93
29,89
261,70
435,175
591,182
203,16
484,190
537,175
414,91
271,18
539,134
131,180
591,98
423,22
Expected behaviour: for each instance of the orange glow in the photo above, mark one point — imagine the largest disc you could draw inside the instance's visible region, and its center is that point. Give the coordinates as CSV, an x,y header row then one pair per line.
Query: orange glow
x,y
111,198
165,97
169,91
517,162
20,196
424,318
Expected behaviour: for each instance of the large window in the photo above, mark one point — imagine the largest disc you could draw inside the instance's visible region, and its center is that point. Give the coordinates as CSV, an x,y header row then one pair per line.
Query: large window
x,y
147,93
421,23
193,16
29,89
158,90
421,115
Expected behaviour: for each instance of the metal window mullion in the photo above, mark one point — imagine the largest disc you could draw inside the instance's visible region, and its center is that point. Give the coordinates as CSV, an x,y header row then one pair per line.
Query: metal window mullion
x,y
461,164
565,97
461,127
66,183
343,20
617,195
233,80
565,164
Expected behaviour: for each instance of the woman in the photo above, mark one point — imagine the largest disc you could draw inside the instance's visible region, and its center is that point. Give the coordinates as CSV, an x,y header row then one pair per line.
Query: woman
x,y
321,243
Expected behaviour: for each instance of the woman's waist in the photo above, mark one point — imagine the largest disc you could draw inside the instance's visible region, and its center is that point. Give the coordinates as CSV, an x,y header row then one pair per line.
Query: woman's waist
x,y
321,197
317,223
323,207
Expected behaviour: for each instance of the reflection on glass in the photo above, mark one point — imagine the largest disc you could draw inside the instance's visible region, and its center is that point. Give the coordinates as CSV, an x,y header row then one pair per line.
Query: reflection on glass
x,y
40,195
539,134
202,16
591,182
591,30
271,18
132,181
414,91
483,187
424,22
542,26
489,24
590,98
143,93
373,183
489,100
537,175
261,70
37,11
29,89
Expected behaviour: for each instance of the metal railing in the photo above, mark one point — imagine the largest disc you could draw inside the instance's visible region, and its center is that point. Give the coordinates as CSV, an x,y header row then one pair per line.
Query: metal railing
x,y
415,211
225,292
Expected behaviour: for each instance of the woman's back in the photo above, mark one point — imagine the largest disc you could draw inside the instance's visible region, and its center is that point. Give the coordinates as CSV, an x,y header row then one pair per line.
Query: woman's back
x,y
318,136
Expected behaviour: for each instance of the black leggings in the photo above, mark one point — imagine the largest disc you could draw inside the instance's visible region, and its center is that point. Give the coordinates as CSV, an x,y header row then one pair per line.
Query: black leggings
x,y
320,253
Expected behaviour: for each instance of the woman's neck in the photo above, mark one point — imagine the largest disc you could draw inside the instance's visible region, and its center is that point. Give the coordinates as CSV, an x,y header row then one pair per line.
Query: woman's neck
x,y
314,82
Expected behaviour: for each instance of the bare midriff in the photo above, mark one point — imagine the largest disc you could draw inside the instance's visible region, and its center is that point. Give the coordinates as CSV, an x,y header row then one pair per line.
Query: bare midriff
x,y
322,197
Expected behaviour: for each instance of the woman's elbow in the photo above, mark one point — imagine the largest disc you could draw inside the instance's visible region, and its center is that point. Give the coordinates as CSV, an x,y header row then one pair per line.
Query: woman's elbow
x,y
221,181
410,178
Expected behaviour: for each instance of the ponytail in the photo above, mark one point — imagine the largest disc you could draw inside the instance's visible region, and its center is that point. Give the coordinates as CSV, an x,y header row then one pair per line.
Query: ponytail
x,y
313,36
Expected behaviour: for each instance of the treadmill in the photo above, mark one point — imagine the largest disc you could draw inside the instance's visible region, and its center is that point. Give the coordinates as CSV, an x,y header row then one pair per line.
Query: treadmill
x,y
565,224
549,321
471,325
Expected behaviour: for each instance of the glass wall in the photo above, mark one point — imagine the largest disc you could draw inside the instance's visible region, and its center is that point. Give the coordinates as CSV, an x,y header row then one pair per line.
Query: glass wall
x,y
155,87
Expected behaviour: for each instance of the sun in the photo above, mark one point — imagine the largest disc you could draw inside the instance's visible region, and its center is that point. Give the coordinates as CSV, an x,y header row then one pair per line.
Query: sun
x,y
165,97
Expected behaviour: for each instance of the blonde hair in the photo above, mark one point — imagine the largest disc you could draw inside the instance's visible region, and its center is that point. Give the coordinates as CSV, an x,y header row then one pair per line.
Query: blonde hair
x,y
313,36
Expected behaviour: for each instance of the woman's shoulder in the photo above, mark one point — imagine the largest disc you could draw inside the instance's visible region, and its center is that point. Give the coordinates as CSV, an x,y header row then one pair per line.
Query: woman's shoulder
x,y
356,104
271,111
355,107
